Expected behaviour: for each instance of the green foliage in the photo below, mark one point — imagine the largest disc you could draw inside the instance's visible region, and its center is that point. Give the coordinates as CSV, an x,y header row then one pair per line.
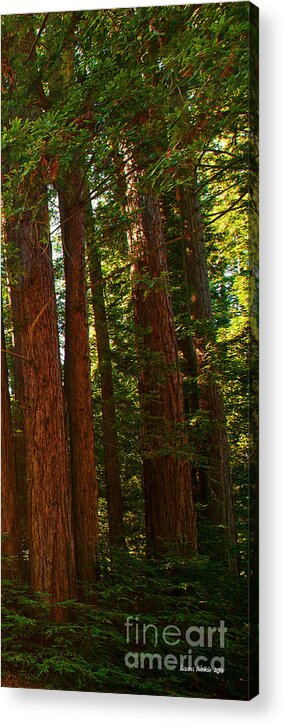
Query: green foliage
x,y
88,653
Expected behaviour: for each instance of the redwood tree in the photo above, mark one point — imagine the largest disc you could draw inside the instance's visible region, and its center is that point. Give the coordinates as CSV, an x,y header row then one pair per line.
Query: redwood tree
x,y
10,520
77,385
51,549
18,378
51,546
109,427
169,511
219,497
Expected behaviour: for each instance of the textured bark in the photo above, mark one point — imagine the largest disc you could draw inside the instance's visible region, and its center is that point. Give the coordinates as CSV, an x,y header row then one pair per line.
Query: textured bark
x,y
169,510
109,428
219,488
190,372
77,383
51,549
18,385
12,562
191,397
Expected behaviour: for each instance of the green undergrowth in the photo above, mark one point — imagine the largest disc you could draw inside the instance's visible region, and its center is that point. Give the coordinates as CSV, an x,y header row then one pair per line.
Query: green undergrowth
x,y
88,652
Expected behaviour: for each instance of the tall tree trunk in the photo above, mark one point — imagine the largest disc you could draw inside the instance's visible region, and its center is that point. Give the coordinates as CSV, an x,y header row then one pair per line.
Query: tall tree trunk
x,y
186,349
77,382
51,547
219,492
169,511
191,398
189,371
109,428
12,563
18,383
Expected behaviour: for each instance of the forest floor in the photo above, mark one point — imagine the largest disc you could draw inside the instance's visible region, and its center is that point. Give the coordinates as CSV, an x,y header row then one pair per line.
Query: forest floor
x,y
89,652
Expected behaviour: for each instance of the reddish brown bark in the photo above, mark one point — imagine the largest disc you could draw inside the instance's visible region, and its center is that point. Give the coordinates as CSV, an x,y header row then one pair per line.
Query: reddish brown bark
x,y
169,510
109,429
12,556
189,372
51,549
191,400
77,380
78,391
18,383
219,482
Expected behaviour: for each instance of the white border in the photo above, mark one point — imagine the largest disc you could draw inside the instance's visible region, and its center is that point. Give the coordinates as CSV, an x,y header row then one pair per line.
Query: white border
x,y
33,707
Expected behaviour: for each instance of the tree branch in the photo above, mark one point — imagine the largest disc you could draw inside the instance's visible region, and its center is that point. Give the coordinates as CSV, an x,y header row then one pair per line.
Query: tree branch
x,y
17,355
42,27
225,211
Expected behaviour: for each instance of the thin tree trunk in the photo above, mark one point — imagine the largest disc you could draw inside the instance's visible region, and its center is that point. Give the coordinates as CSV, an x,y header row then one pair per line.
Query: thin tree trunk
x,y
169,511
12,563
51,547
109,428
219,492
78,391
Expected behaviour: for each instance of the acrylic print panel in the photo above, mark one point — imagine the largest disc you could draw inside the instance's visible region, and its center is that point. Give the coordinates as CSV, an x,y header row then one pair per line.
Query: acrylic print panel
x,y
129,350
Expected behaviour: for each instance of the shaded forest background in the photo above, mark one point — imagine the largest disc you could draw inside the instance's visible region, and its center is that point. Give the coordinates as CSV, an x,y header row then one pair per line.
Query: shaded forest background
x,y
129,341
